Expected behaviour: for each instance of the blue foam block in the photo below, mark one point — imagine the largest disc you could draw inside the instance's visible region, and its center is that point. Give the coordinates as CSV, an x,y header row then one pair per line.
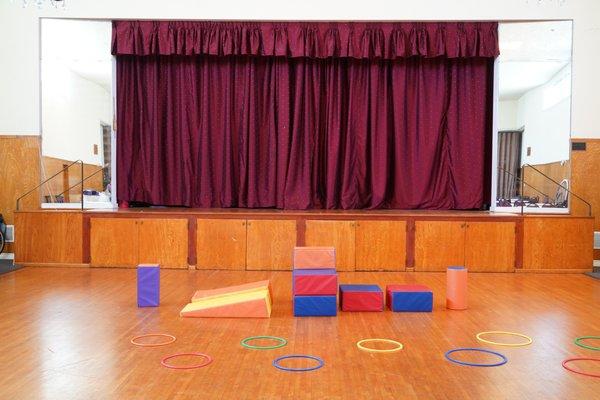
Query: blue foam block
x,y
315,306
148,285
412,301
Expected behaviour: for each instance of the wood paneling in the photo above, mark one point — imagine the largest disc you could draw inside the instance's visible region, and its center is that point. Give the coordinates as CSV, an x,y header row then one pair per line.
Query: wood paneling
x,y
68,178
163,241
221,244
490,246
52,237
439,244
558,243
339,234
557,171
114,242
585,180
380,245
19,173
270,244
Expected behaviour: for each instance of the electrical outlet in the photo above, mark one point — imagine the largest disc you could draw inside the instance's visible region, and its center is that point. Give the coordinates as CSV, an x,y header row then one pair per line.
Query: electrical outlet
x,y
95,149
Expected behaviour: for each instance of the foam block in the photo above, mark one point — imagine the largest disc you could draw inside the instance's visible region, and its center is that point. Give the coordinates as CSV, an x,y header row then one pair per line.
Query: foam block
x,y
256,304
361,298
314,257
314,282
315,306
245,288
456,288
409,298
148,285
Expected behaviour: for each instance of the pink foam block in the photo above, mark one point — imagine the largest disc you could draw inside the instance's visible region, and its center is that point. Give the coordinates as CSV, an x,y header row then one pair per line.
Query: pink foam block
x,y
314,257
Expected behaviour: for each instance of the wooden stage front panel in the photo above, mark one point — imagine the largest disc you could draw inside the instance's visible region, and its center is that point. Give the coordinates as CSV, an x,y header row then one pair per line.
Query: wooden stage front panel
x,y
263,239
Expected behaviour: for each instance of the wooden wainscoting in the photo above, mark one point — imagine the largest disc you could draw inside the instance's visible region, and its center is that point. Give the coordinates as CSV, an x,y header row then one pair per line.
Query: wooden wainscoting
x,y
557,243
339,234
490,246
163,241
270,244
19,172
439,244
114,242
585,181
53,237
380,245
221,244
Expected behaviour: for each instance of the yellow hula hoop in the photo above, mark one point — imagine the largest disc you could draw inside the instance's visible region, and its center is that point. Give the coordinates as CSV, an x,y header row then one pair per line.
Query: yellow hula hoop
x,y
399,346
527,343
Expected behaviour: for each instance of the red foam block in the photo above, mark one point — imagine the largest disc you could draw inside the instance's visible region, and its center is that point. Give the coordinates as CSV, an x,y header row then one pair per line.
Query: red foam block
x,y
315,282
361,301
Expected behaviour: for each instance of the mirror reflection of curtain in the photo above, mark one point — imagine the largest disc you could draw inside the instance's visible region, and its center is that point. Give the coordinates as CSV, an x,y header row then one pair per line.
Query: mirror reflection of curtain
x,y
509,160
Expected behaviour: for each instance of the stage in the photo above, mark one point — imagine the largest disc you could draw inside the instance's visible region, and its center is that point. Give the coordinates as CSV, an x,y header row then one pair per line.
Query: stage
x,y
260,239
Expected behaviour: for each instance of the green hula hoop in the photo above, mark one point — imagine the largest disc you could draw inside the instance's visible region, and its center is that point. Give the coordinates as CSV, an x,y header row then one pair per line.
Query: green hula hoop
x,y
585,346
282,342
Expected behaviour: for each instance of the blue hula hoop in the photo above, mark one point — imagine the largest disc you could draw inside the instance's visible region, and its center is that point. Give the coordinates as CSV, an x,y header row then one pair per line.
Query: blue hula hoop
x,y
278,359
504,359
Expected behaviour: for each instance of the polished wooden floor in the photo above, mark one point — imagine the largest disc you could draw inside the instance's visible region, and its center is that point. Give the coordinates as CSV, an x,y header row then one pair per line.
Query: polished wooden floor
x,y
65,335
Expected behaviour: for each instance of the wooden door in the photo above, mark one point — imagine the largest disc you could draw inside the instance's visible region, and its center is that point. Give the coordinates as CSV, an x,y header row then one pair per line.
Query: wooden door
x,y
490,246
270,244
163,242
339,234
221,244
380,245
114,242
439,244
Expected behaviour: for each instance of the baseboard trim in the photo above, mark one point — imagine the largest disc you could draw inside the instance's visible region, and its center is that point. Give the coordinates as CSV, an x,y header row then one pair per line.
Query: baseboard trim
x,y
554,271
52,265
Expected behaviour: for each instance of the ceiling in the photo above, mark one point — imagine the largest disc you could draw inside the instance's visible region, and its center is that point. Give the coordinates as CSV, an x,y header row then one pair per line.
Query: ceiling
x,y
83,46
531,53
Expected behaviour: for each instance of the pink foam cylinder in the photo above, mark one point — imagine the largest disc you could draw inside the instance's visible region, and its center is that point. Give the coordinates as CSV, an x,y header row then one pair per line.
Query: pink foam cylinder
x,y
456,288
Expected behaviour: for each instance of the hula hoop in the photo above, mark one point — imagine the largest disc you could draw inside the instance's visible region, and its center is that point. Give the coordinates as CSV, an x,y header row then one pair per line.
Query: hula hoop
x,y
399,346
586,346
568,360
207,360
171,340
282,342
447,355
527,343
317,359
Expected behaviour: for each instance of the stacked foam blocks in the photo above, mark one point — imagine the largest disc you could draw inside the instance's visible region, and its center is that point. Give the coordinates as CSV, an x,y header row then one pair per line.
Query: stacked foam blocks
x,y
250,300
314,282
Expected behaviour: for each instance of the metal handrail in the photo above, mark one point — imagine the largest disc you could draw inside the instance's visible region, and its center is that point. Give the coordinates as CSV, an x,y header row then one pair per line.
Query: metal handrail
x,y
523,183
560,185
56,174
84,179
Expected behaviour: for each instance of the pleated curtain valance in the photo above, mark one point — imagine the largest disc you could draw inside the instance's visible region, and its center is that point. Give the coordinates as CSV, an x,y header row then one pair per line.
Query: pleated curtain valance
x,y
358,40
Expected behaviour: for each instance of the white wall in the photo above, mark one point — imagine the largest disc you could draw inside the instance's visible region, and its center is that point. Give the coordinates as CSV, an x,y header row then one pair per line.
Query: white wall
x,y
546,129
507,115
73,108
19,84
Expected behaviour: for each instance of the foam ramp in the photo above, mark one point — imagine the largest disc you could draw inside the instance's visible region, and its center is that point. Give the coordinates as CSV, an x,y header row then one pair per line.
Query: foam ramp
x,y
251,300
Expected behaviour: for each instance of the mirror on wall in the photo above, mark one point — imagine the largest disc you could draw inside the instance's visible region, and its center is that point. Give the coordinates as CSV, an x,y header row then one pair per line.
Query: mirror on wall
x,y
534,116
77,113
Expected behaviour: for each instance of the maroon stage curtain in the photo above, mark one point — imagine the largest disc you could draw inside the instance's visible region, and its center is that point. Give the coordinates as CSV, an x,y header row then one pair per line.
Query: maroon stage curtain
x,y
210,119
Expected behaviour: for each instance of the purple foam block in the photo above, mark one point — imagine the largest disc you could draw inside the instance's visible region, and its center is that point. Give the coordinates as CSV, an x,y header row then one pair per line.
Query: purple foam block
x,y
148,285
